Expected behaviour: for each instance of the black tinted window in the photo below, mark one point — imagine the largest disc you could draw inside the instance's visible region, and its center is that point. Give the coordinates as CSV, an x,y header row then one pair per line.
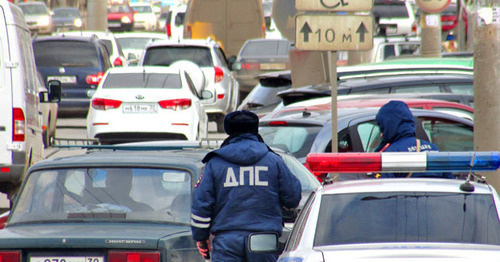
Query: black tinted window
x,y
390,10
65,54
166,55
139,80
407,217
265,48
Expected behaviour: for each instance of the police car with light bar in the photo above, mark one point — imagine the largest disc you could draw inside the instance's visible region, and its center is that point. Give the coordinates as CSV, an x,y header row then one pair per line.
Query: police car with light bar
x,y
426,219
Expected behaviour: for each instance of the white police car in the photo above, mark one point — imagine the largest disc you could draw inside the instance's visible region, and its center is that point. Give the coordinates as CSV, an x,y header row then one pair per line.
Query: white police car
x,y
403,219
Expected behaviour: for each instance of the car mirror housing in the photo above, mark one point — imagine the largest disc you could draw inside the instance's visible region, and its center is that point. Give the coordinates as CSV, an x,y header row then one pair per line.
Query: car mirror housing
x,y
54,92
236,66
205,94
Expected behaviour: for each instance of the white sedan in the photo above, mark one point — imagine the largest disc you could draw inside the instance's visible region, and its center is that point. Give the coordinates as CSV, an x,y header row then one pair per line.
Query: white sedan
x,y
149,103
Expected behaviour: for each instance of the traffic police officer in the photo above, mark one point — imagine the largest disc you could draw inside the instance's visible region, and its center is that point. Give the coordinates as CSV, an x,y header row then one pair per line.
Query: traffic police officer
x,y
243,188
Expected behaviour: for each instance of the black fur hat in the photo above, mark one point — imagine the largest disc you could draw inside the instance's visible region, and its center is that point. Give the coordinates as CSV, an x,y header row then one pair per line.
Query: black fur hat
x,y
239,122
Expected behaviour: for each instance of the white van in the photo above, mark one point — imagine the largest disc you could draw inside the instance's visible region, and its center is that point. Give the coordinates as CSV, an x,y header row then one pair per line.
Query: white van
x,y
20,114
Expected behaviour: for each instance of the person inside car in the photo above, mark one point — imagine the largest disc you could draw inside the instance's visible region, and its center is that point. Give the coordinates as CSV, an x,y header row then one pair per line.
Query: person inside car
x,y
397,127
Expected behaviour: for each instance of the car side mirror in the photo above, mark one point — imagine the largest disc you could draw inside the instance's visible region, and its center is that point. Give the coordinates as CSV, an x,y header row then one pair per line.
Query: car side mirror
x,y
131,56
236,66
205,94
263,242
54,92
230,61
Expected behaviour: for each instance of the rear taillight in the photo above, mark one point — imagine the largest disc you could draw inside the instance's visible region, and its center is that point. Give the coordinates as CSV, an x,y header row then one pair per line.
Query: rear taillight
x,y
118,62
169,30
175,104
4,169
219,74
94,79
19,126
278,123
250,66
220,96
10,256
133,256
105,104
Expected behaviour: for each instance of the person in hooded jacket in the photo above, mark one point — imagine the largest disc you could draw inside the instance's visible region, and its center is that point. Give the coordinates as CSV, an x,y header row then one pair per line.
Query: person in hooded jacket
x,y
397,126
243,188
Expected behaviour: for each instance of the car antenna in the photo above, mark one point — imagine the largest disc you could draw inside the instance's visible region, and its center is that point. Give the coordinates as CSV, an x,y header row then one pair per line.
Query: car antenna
x,y
467,186
143,75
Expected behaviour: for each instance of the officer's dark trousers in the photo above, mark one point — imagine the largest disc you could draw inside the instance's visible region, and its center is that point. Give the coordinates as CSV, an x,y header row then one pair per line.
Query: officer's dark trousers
x,y
233,246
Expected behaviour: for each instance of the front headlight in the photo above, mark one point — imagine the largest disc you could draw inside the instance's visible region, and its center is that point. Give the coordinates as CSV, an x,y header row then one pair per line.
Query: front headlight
x,y
44,21
126,20
77,22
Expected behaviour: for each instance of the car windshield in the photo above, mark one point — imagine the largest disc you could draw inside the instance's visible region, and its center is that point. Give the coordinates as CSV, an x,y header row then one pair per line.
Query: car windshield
x,y
407,217
118,9
166,55
64,12
34,9
143,80
134,42
142,9
89,194
265,48
65,54
296,140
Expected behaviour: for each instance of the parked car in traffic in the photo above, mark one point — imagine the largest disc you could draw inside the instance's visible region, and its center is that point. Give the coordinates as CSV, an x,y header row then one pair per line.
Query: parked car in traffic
x,y
309,130
149,103
67,18
144,16
74,200
174,23
120,17
259,56
20,98
208,55
399,219
116,55
134,44
78,62
37,16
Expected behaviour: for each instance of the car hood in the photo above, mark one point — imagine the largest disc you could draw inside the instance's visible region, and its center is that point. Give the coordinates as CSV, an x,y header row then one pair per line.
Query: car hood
x,y
89,235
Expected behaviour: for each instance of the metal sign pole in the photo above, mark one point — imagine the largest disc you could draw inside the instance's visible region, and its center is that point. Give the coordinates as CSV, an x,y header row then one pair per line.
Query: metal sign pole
x,y
332,64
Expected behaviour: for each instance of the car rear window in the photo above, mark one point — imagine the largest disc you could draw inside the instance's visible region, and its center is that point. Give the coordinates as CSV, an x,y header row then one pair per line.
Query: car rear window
x,y
65,54
34,9
296,140
265,48
139,80
407,217
166,55
390,11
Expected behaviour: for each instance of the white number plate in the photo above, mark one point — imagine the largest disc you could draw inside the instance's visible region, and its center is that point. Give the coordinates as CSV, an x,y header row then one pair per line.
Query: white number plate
x,y
272,66
67,259
63,79
140,108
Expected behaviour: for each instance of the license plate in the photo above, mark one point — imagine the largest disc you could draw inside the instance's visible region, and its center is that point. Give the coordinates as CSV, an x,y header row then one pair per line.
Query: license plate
x,y
272,66
67,259
63,79
391,30
140,108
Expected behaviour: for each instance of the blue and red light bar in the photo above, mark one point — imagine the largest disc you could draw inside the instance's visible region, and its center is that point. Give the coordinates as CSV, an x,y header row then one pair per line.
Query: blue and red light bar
x,y
403,162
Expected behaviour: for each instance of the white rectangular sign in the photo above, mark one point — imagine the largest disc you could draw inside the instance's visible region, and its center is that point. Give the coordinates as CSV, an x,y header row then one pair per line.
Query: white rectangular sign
x,y
334,5
334,32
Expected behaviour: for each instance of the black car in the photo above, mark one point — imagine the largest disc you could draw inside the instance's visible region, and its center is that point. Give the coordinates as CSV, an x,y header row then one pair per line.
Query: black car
x,y
125,203
78,62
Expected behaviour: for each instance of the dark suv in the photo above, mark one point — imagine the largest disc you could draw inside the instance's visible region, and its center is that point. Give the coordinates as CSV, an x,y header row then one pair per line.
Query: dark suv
x,y
78,62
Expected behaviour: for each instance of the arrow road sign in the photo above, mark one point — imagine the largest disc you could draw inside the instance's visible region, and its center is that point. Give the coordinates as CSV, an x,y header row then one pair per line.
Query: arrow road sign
x,y
334,5
334,32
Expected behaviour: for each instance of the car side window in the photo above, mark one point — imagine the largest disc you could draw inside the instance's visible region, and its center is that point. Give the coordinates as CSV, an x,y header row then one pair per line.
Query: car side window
x,y
369,134
417,89
448,135
462,89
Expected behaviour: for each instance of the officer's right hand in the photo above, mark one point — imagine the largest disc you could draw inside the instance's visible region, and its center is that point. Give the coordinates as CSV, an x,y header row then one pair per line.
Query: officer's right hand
x,y
204,248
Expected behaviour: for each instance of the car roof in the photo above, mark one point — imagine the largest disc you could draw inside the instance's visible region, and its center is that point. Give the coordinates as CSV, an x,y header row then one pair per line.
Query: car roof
x,y
64,38
401,185
98,34
405,79
142,69
184,42
140,34
181,158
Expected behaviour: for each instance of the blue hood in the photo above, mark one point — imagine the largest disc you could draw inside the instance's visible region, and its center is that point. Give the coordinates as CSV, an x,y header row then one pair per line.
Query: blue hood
x,y
244,149
395,121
